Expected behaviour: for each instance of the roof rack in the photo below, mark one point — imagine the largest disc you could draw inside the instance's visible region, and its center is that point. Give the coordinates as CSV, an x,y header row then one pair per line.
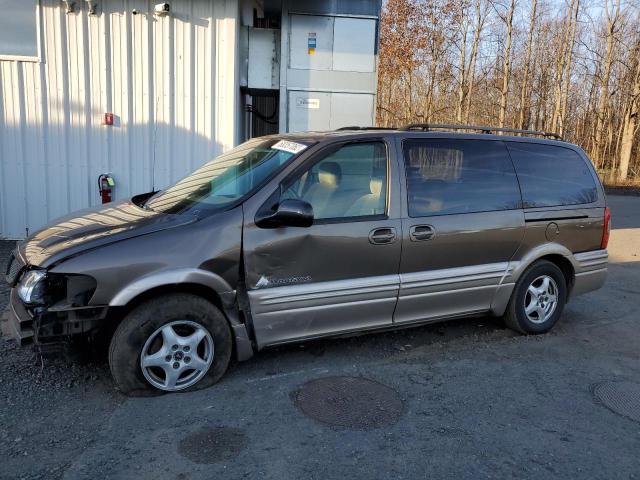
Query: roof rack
x,y
425,127
356,127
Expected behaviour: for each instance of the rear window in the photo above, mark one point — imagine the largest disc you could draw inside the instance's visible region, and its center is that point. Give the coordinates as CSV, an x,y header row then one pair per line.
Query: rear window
x,y
447,176
552,176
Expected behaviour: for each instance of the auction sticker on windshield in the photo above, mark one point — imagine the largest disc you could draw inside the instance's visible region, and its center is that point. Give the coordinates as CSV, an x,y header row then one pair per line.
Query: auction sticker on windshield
x,y
287,146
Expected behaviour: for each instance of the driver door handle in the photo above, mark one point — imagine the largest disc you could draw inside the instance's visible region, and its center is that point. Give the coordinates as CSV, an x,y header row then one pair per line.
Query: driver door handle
x,y
382,236
419,233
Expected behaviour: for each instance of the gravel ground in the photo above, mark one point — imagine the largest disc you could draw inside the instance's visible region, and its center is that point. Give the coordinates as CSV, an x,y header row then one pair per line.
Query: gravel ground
x,y
50,409
476,401
5,251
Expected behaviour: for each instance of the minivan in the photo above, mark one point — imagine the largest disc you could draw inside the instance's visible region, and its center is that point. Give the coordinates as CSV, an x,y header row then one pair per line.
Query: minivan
x,y
294,237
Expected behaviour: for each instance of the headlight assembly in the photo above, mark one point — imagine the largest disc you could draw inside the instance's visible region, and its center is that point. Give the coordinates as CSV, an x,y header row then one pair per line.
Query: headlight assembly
x,y
40,288
31,288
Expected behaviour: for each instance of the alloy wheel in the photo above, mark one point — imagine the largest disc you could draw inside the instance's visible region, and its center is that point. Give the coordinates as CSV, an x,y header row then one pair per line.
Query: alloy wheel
x,y
541,299
177,355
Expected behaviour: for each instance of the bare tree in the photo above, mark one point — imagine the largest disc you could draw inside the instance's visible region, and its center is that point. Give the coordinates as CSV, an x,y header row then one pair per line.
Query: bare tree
x,y
463,24
611,28
566,77
506,66
630,124
527,63
563,66
480,17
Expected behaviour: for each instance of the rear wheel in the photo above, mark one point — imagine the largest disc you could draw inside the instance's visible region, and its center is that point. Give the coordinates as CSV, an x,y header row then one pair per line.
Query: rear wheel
x,y
538,299
171,343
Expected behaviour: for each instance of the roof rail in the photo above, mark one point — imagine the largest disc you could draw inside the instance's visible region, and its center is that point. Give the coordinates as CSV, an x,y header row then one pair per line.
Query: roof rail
x,y
356,127
425,127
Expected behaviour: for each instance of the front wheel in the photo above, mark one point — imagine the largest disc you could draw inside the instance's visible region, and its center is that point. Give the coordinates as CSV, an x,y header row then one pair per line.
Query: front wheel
x,y
170,343
538,299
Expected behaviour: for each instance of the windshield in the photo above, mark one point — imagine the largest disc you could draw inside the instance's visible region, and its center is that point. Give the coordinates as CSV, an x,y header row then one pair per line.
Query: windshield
x,y
228,177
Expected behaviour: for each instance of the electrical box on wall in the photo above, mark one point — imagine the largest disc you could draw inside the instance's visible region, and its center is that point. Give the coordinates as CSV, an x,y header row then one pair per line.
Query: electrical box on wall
x,y
308,66
328,110
329,65
332,43
359,35
317,30
261,64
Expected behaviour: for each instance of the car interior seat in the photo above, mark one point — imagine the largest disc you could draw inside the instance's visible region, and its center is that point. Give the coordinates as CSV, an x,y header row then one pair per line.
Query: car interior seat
x,y
319,194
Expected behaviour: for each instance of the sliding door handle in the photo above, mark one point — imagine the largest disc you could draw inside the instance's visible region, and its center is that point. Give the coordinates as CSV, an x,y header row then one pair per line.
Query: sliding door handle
x,y
419,233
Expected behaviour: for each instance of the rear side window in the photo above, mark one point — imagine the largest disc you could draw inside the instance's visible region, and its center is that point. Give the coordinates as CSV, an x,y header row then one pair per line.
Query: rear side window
x,y
551,176
446,176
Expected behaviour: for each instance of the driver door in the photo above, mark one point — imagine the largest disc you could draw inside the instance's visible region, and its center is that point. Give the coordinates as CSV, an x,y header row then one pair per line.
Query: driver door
x,y
340,274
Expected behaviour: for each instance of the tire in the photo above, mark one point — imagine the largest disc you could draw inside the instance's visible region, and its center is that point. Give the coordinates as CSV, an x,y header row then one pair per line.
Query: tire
x,y
189,317
538,320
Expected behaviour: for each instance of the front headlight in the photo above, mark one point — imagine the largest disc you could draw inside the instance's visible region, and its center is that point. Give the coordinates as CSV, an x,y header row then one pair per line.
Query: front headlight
x,y
31,288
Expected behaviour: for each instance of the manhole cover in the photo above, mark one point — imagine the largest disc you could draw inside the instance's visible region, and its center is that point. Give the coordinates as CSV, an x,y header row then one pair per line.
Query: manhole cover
x,y
621,397
349,402
212,445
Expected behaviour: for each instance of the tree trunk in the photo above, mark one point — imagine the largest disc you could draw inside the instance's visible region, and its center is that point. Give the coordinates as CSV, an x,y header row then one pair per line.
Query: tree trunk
x,y
462,75
604,90
506,71
561,63
566,78
471,71
524,100
630,125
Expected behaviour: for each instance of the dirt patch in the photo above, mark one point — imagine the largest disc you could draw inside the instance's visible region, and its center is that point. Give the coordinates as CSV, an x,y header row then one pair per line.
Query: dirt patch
x,y
213,445
349,402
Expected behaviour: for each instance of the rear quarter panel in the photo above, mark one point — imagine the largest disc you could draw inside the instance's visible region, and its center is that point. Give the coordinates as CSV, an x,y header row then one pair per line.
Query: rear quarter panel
x,y
577,229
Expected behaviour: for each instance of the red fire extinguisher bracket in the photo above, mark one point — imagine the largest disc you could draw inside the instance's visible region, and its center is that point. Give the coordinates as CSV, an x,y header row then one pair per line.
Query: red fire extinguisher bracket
x,y
106,186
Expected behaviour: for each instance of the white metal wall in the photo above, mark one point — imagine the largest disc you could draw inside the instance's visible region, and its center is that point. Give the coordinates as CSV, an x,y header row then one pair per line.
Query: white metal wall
x,y
171,83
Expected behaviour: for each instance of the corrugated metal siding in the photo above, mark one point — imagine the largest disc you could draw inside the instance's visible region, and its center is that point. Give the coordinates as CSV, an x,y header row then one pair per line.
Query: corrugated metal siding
x,y
170,81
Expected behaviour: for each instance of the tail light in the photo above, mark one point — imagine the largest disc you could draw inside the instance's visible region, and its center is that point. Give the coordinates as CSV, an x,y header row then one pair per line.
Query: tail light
x,y
606,228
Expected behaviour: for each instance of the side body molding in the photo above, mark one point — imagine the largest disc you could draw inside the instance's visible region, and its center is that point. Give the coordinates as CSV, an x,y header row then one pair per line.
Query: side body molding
x,y
243,344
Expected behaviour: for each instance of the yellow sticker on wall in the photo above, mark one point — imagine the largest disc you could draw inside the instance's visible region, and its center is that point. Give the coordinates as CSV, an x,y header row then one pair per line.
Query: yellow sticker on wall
x,y
311,43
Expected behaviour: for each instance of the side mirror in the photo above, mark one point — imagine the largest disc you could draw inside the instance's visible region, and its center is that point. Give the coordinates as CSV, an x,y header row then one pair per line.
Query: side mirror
x,y
290,213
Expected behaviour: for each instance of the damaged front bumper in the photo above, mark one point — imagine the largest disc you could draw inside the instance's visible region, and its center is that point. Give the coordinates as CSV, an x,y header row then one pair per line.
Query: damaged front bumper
x,y
49,325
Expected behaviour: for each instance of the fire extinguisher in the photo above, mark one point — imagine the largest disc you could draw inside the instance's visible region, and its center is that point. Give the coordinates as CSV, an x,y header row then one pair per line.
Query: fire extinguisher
x,y
106,186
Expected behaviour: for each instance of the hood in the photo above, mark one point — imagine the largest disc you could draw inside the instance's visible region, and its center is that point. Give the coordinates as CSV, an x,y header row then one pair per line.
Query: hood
x,y
94,227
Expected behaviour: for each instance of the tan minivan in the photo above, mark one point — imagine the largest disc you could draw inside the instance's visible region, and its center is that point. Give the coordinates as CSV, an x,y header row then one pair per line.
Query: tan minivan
x,y
293,237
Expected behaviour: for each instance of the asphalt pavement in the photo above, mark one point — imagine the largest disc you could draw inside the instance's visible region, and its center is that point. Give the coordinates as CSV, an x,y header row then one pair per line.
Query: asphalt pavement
x,y
464,399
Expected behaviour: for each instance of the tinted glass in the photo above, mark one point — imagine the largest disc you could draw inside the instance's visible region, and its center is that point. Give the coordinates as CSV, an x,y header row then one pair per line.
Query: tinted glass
x,y
351,182
551,175
459,176
225,179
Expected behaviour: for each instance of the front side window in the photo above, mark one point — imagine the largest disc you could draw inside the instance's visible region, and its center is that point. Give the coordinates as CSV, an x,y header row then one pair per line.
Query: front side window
x,y
446,176
350,182
551,176
227,178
